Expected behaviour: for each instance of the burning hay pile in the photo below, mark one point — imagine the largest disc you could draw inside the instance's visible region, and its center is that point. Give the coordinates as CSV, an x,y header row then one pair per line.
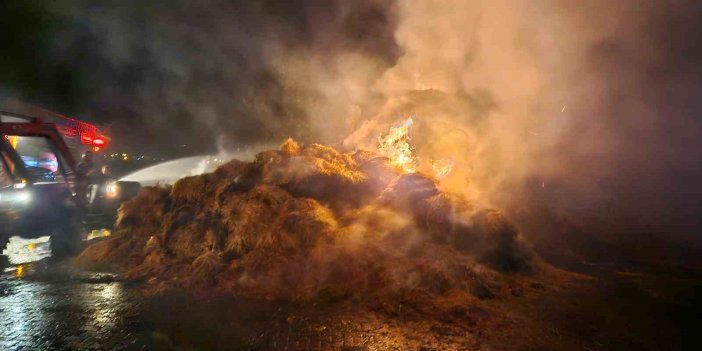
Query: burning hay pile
x,y
308,221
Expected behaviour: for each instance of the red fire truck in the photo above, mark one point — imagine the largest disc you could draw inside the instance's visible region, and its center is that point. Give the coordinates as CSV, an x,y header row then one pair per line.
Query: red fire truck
x,y
41,191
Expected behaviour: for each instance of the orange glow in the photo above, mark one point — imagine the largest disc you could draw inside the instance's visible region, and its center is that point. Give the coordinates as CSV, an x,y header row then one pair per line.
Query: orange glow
x,y
396,146
13,140
442,167
111,191
19,273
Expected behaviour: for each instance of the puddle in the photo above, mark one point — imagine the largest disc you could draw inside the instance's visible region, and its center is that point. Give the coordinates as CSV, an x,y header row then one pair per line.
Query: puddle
x,y
63,312
49,304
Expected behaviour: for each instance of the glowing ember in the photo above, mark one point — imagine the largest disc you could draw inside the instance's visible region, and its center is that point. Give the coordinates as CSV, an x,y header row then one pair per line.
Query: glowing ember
x,y
396,146
442,167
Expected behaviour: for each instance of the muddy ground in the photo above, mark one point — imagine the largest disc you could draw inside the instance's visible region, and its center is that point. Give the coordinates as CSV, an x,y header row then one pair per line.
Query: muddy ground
x,y
610,311
635,305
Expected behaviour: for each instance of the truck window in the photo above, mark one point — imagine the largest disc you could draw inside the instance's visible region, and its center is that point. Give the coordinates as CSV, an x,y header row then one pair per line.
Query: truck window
x,y
39,158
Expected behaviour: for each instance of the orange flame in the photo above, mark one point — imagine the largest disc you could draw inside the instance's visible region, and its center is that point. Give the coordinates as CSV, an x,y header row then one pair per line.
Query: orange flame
x,y
396,146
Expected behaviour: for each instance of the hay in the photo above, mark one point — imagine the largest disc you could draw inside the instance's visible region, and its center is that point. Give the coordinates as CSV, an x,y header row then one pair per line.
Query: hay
x,y
309,221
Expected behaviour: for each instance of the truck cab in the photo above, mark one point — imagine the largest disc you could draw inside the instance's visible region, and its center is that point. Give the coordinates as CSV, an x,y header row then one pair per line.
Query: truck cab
x,y
42,193
39,187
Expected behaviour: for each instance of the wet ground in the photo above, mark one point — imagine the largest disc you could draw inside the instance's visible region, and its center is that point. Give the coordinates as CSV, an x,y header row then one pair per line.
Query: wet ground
x,y
71,313
45,305
49,305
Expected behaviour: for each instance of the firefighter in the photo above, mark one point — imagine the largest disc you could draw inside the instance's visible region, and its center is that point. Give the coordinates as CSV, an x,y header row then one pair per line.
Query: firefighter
x,y
87,167
88,172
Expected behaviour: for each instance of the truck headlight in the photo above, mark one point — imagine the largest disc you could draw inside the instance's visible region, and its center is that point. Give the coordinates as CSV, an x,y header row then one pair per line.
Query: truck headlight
x,y
23,196
111,190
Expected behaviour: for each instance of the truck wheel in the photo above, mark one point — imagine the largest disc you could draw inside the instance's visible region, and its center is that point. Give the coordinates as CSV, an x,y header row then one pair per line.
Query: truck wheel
x,y
65,241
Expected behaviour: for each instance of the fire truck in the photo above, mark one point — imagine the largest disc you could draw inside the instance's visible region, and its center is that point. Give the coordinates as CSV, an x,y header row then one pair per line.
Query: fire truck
x,y
41,191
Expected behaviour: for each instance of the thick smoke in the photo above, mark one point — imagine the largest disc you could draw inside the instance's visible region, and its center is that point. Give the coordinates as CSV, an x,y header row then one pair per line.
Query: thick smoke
x,y
586,106
177,72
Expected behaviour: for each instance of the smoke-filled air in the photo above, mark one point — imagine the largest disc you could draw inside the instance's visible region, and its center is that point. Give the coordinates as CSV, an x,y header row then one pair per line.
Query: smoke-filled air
x,y
582,102
546,99
414,174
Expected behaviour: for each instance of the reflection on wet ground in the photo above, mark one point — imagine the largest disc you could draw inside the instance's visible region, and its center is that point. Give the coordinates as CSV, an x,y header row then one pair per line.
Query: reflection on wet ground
x,y
71,314
47,305
50,305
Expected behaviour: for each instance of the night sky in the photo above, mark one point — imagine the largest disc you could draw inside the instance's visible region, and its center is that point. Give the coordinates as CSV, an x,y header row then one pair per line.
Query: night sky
x,y
174,71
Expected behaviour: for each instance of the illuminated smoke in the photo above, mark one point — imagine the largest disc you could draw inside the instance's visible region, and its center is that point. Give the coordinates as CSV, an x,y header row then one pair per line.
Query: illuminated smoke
x,y
442,167
519,94
486,80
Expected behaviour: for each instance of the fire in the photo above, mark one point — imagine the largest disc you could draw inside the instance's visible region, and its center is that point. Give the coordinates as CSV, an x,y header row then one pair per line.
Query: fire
x,y
396,146
442,167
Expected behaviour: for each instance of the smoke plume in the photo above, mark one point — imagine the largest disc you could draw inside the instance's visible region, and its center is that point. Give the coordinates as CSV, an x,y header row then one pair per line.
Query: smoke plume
x,y
589,107
586,107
